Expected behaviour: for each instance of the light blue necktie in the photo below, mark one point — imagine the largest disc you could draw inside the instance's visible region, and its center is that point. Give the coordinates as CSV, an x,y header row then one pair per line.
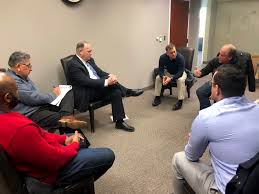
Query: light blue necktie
x,y
93,70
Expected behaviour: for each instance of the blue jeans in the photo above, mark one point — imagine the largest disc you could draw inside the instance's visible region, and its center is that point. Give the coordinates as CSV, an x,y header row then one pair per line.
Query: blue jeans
x,y
88,162
203,94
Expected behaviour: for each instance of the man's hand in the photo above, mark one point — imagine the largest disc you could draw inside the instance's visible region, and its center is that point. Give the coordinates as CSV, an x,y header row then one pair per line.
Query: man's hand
x,y
197,72
166,80
73,138
112,79
56,90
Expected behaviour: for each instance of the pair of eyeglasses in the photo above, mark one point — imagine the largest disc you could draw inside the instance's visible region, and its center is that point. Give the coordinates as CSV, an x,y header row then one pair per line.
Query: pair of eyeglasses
x,y
211,82
27,65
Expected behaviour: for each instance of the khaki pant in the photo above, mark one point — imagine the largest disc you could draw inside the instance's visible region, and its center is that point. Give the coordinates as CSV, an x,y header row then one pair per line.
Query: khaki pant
x,y
198,175
180,85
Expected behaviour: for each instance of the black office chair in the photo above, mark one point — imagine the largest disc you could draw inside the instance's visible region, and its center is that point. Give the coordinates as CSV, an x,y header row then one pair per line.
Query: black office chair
x,y
93,105
2,69
246,179
13,182
188,54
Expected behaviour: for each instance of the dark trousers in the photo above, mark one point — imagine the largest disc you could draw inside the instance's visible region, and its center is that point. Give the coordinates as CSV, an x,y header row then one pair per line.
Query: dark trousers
x,y
47,116
123,89
203,94
114,94
88,162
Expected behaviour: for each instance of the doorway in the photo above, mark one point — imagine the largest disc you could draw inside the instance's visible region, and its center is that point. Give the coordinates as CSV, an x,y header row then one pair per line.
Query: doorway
x,y
179,22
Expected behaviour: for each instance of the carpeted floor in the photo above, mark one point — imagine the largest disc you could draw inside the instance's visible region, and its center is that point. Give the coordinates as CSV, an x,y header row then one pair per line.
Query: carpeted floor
x,y
143,158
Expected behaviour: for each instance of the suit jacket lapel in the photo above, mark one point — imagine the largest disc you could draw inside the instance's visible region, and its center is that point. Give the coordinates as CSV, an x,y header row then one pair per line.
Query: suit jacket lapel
x,y
82,65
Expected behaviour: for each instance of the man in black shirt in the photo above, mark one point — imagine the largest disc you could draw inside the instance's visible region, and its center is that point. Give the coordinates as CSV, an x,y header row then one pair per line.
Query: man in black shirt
x,y
171,68
227,55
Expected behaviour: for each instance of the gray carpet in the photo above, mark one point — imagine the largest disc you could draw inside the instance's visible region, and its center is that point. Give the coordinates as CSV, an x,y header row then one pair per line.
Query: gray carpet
x,y
143,158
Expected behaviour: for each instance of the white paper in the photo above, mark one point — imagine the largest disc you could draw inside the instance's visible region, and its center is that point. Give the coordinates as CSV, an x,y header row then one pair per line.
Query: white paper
x,y
63,91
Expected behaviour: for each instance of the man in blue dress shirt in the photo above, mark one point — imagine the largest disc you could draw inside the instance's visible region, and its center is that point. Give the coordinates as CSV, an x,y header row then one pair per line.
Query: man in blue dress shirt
x,y
229,128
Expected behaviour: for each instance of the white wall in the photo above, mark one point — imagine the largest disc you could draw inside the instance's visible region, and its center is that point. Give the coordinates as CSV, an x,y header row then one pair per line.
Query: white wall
x,y
209,30
195,6
122,32
234,21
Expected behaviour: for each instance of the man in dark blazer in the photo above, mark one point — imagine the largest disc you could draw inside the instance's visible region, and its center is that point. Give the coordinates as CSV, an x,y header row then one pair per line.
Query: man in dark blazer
x,y
227,55
90,83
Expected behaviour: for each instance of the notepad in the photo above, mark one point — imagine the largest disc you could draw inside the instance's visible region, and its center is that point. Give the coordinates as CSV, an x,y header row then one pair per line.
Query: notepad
x,y
64,89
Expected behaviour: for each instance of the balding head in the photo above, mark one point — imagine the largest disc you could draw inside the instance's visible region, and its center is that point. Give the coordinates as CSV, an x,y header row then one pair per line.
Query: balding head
x,y
227,53
84,50
8,93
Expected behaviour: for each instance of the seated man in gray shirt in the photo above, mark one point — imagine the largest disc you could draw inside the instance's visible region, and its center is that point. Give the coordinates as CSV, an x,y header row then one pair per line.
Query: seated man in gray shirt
x,y
229,128
36,105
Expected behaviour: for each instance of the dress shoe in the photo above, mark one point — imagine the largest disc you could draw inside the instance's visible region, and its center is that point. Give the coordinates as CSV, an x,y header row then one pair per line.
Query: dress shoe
x,y
136,92
156,101
72,123
178,105
124,126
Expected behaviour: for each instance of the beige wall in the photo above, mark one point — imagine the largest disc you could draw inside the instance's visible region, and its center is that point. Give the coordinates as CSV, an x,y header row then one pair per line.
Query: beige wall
x,y
194,21
235,21
123,34
209,30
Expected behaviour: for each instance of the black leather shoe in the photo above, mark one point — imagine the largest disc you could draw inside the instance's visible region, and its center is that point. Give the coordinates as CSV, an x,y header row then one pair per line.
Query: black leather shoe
x,y
131,92
178,105
156,101
124,126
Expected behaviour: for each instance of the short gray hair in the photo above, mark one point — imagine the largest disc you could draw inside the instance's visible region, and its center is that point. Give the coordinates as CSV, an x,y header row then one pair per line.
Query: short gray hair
x,y
17,57
80,45
169,47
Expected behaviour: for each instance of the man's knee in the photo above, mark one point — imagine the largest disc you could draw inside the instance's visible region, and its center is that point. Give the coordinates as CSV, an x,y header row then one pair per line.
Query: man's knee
x,y
158,78
200,92
178,159
181,82
116,93
107,155
98,156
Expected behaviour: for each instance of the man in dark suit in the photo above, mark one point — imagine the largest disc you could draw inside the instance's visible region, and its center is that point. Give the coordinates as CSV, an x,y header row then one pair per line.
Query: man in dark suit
x,y
90,83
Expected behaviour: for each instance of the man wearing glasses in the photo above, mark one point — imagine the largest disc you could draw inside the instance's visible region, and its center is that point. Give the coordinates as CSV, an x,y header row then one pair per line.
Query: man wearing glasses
x,y
36,105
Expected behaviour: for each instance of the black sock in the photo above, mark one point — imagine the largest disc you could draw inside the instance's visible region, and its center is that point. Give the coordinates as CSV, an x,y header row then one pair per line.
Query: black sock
x,y
119,121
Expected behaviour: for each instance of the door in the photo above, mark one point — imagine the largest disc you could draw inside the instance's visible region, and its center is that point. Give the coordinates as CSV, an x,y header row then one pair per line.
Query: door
x,y
179,22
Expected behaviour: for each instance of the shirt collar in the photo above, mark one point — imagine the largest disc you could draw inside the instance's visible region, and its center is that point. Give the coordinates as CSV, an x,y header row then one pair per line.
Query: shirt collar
x,y
82,60
12,72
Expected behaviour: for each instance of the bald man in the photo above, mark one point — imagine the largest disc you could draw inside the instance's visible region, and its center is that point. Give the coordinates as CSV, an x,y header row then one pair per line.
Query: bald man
x,y
227,55
49,158
90,83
